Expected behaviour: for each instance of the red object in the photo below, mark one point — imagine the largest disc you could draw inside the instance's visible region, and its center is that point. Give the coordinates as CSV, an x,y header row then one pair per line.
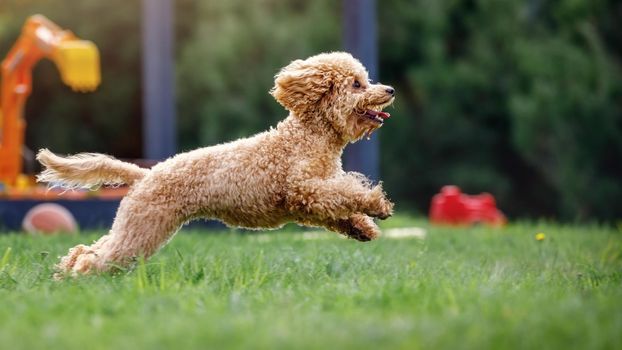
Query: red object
x,y
453,207
49,218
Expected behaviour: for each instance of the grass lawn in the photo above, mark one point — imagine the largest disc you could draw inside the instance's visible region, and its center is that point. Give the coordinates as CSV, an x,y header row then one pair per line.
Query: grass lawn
x,y
477,288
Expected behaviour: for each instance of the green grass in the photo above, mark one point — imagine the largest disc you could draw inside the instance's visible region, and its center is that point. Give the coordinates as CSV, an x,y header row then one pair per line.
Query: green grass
x,y
476,288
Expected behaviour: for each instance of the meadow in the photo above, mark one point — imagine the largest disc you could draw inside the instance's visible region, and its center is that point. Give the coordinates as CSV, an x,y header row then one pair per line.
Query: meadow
x,y
458,288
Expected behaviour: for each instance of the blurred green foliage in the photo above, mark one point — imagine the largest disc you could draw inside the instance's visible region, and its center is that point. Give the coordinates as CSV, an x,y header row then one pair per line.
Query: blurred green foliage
x,y
520,98
228,63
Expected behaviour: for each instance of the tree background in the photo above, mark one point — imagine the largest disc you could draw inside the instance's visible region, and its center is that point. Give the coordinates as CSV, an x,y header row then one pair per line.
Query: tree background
x,y
520,98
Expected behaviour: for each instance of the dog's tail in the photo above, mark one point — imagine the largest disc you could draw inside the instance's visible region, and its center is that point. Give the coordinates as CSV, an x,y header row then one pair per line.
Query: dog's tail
x,y
86,170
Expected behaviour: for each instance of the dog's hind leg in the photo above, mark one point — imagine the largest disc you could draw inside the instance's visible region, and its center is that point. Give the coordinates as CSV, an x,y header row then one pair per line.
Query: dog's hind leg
x,y
140,229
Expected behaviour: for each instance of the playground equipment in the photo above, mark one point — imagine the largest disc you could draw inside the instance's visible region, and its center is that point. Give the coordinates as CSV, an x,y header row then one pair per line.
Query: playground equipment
x,y
78,63
454,208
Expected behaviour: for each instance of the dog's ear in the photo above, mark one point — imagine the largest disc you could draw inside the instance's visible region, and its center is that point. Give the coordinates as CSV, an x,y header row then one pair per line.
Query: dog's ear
x,y
300,85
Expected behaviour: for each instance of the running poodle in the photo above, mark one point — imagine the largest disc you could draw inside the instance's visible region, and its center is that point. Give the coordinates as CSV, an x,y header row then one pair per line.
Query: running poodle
x,y
291,173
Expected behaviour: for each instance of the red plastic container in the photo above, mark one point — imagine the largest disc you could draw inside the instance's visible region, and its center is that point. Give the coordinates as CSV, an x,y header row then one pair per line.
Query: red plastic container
x,y
452,207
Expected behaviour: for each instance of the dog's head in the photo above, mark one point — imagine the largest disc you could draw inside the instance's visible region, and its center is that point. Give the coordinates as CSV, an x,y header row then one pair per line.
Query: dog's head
x,y
333,89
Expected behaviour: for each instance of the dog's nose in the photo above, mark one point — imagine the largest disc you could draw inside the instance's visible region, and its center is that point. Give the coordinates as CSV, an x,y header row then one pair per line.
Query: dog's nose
x,y
390,91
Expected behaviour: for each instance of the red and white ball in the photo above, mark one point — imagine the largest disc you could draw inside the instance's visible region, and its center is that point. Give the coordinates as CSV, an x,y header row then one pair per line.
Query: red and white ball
x,y
49,218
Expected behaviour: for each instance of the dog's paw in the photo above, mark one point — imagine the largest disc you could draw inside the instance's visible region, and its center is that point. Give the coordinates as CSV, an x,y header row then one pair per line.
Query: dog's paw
x,y
80,260
378,205
365,226
360,227
358,234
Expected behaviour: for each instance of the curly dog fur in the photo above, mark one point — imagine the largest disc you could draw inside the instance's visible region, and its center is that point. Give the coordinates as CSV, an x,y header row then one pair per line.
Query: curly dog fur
x,y
291,173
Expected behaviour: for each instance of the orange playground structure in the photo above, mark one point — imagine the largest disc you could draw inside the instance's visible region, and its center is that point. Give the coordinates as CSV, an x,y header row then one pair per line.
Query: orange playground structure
x,y
78,63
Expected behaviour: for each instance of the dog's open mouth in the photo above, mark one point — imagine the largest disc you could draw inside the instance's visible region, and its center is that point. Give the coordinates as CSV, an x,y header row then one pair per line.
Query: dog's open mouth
x,y
371,117
374,112
375,116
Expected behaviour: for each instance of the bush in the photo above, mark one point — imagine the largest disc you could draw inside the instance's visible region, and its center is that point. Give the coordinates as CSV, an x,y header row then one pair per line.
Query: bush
x,y
506,97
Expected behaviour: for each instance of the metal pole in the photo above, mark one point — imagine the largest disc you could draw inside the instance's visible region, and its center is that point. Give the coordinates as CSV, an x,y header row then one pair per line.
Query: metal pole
x,y
359,38
159,132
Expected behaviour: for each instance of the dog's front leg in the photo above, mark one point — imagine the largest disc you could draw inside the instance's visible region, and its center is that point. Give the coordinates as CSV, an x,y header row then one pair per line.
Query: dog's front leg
x,y
376,203
358,226
338,198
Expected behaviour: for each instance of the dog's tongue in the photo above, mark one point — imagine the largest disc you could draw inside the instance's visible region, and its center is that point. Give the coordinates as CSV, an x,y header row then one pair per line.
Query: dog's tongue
x,y
383,115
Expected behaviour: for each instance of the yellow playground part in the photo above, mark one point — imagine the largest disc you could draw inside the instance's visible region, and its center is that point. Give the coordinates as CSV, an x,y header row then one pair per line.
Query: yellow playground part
x,y
78,63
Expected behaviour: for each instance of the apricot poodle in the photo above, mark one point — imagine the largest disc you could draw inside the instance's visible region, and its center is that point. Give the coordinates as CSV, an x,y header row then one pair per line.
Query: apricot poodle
x,y
291,173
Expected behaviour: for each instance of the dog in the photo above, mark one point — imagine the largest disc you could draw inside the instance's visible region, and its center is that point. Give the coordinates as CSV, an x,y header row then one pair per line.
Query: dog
x,y
291,173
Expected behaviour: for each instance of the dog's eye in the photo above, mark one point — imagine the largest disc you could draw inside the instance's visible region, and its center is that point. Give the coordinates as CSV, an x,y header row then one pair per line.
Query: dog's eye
x,y
356,84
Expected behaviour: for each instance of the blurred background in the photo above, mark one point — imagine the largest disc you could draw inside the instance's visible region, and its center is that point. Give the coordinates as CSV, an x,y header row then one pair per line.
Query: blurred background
x,y
519,98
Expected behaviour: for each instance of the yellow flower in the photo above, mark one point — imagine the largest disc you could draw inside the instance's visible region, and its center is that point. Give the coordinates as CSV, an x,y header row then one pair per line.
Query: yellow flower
x,y
540,236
